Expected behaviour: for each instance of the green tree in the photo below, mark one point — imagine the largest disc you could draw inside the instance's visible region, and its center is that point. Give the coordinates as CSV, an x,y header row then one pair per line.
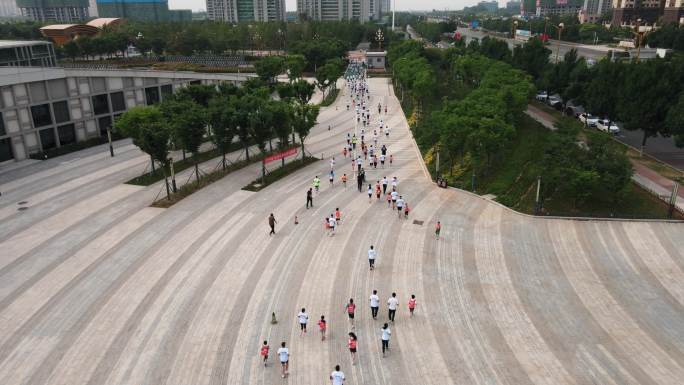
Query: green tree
x,y
149,132
675,121
532,57
71,50
304,118
199,93
603,92
295,65
221,115
281,113
188,121
269,67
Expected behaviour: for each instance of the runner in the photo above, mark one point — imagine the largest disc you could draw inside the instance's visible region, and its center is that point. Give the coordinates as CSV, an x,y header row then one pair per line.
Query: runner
x,y
272,222
332,163
309,198
382,160
389,199
344,151
395,196
377,191
303,319
264,351
344,180
332,223
386,332
350,308
359,180
392,304
337,377
284,356
375,161
352,347
400,206
338,215
395,182
331,177
406,210
391,159
438,229
316,183
322,326
374,304
385,182
412,304
372,254
370,193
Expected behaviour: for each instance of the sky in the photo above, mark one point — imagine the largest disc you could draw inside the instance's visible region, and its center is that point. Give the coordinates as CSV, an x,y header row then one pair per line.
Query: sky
x,y
402,5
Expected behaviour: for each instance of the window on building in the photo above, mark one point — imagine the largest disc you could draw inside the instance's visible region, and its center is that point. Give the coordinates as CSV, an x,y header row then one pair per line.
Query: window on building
x,y
2,126
41,115
38,91
67,134
6,150
58,88
47,138
101,104
61,110
118,102
196,82
166,90
152,95
105,123
98,84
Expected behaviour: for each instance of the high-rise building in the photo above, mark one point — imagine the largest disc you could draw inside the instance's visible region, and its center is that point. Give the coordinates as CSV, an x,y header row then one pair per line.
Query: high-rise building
x,y
334,10
489,6
234,11
674,11
558,7
142,10
592,10
8,8
59,11
629,11
513,6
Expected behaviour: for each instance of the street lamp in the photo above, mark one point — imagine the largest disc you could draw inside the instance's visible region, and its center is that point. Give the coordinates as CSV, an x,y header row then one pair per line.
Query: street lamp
x,y
639,37
560,30
514,28
379,37
281,37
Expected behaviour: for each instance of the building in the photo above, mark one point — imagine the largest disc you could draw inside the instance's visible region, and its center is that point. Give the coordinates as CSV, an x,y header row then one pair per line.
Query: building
x,y
627,12
513,6
592,10
489,6
375,60
234,11
45,107
62,33
674,11
57,11
558,7
334,10
141,10
27,54
8,8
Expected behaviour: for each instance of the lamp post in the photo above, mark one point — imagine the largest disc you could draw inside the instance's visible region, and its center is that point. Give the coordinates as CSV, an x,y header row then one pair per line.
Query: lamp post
x,y
379,37
639,37
546,24
281,37
514,28
560,30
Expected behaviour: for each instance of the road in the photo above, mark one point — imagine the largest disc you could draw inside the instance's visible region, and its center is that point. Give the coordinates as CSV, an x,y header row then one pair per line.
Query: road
x,y
99,288
583,50
661,148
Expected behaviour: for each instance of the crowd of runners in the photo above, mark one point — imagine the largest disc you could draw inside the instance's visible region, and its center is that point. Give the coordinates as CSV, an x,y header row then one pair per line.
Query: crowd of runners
x,y
363,151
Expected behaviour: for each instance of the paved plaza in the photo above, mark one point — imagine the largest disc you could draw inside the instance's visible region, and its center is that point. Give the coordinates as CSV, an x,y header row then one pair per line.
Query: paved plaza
x,y
98,288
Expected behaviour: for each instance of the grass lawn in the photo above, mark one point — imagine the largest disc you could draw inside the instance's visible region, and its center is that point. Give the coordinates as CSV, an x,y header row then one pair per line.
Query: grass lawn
x,y
330,97
279,173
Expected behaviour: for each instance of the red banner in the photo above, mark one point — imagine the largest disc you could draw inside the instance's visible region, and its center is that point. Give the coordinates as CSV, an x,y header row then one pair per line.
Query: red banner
x,y
281,155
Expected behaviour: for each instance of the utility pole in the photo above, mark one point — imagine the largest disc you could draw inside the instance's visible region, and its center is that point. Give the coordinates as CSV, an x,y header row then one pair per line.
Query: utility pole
x,y
673,200
173,176
394,8
537,204
109,138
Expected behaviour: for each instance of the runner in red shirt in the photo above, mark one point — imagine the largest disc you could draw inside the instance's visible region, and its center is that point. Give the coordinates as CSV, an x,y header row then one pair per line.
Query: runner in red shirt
x,y
350,309
412,304
352,347
264,351
322,326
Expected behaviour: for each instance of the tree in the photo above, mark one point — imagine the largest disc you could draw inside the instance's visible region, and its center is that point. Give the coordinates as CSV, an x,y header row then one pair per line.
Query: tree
x,y
71,49
603,92
303,90
199,93
221,116
187,121
85,43
304,118
269,67
146,126
281,113
532,57
295,65
675,121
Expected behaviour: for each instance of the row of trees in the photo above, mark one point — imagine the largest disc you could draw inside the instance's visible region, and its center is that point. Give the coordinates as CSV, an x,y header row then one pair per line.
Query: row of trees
x,y
220,114
268,68
669,36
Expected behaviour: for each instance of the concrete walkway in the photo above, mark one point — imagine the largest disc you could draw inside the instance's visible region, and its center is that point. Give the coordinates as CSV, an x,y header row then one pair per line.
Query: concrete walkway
x,y
98,288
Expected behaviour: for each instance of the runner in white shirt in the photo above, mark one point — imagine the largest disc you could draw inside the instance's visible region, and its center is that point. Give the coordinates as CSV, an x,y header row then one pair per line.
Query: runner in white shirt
x,y
372,254
284,356
385,338
374,304
395,182
303,319
392,304
395,196
337,377
332,223
385,182
400,205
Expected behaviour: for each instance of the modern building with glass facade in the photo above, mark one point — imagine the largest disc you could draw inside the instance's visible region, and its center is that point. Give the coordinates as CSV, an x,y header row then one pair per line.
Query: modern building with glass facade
x,y
234,11
58,11
27,54
141,10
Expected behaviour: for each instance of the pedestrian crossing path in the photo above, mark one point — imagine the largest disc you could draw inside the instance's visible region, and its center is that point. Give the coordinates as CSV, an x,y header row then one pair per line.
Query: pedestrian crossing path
x,y
98,288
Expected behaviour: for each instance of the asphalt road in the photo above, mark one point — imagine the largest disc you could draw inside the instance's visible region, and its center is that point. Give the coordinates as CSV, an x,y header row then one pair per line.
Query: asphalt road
x,y
659,147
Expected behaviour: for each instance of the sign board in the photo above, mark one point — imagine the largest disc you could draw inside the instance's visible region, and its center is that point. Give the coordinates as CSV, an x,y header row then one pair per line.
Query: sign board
x,y
281,155
474,24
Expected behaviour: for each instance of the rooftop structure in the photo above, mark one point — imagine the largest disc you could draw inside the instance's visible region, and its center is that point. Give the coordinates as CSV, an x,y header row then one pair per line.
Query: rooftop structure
x,y
62,33
27,53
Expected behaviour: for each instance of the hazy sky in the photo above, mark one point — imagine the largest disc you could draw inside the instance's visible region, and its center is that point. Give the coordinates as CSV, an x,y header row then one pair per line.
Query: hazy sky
x,y
401,4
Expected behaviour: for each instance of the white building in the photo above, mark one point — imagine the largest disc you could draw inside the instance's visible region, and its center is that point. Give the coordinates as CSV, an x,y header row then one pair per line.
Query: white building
x,y
336,10
8,8
234,11
592,10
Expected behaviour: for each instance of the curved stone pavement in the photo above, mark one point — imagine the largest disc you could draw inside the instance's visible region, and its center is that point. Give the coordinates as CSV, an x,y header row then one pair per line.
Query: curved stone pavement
x,y
98,288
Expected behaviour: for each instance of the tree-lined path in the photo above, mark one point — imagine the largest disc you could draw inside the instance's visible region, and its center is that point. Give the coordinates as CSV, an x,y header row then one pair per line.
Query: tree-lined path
x,y
98,288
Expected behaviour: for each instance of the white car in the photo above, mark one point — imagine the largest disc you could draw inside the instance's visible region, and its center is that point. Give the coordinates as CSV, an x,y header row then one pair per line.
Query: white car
x,y
541,96
588,119
555,101
603,125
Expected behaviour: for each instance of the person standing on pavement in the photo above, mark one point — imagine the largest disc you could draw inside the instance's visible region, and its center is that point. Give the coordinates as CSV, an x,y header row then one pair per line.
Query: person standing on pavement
x,y
372,254
374,304
385,338
359,181
272,222
392,304
309,198
316,183
284,356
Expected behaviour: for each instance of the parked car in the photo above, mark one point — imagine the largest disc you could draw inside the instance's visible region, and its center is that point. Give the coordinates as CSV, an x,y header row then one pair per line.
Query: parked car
x,y
607,126
541,96
555,101
588,119
573,110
